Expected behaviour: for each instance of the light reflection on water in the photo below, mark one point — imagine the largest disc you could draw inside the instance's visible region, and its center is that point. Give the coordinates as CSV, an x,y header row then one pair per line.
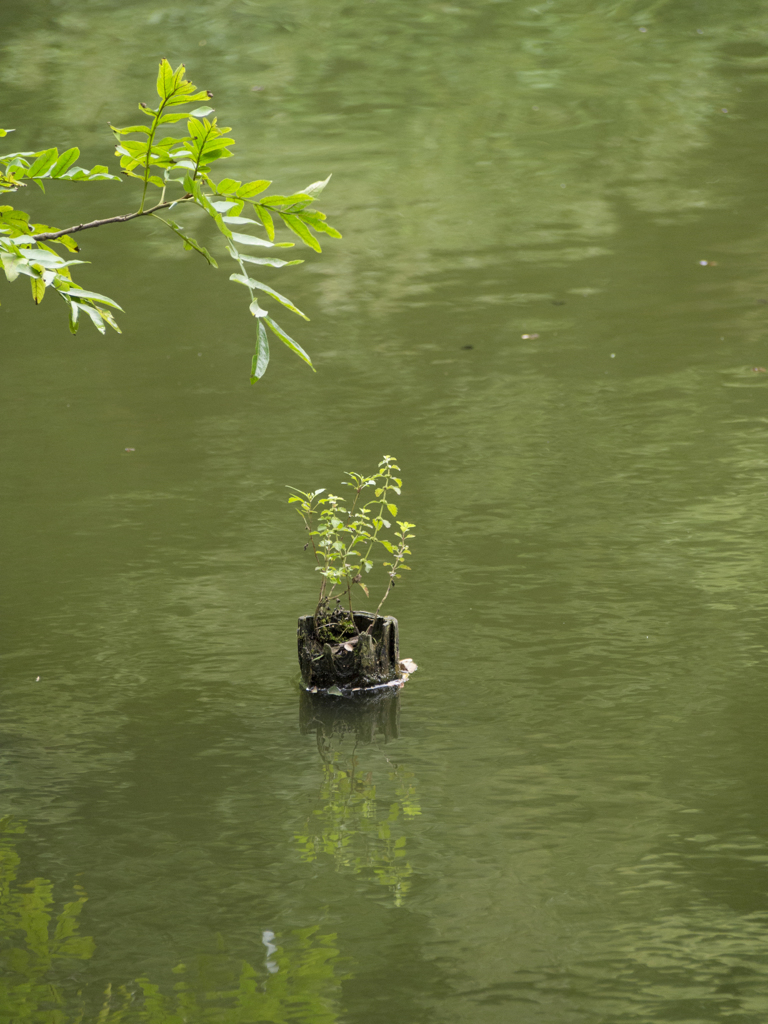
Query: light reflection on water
x,y
584,738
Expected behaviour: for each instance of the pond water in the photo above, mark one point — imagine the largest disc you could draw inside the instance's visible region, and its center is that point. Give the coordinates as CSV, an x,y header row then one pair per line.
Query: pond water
x,y
550,304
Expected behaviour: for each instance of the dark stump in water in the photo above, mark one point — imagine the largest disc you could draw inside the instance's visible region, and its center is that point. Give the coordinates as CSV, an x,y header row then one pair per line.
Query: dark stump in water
x,y
361,660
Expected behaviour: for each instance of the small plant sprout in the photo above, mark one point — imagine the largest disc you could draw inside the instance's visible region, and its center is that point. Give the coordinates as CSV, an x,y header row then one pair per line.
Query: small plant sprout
x,y
346,536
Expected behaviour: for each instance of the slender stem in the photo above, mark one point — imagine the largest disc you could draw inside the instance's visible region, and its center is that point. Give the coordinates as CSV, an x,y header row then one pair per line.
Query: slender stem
x,y
49,236
151,139
398,559
349,602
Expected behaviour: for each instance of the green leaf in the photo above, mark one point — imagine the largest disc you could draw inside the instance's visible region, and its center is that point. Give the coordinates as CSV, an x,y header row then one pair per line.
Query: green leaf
x,y
269,261
172,88
95,316
171,118
110,320
282,299
256,310
316,220
80,293
227,186
189,242
316,188
164,80
253,240
45,160
74,311
143,128
261,361
65,161
299,228
287,340
11,265
266,219
298,197
252,188
38,289
335,691
392,509
238,220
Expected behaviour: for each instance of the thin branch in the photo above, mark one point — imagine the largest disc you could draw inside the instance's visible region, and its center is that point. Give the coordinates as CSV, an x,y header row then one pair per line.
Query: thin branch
x,y
49,236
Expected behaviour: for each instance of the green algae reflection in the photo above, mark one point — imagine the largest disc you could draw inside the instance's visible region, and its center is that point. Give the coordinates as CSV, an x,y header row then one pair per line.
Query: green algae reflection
x,y
42,979
353,823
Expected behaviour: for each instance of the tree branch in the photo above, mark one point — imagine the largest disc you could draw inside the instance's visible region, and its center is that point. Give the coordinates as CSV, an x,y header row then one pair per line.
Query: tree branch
x,y
49,236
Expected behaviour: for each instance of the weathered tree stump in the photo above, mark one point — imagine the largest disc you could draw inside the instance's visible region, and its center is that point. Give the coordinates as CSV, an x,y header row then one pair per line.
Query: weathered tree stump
x,y
362,661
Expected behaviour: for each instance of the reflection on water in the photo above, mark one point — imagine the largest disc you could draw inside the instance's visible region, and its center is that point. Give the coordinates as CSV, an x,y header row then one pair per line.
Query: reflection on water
x,y
364,716
359,827
299,979
297,982
37,945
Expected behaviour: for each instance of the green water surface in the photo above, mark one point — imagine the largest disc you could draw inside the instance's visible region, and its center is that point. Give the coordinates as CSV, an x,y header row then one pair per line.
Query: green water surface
x,y
550,304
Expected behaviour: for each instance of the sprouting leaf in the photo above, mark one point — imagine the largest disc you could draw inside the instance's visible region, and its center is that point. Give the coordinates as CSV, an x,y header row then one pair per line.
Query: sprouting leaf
x,y
316,188
173,89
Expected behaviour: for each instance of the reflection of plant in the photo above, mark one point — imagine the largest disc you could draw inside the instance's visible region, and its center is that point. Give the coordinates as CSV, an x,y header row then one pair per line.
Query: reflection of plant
x,y
33,943
350,827
301,985
298,982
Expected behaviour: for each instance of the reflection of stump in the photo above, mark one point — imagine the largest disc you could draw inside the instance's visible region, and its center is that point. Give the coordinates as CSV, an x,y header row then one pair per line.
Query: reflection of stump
x,y
359,661
365,715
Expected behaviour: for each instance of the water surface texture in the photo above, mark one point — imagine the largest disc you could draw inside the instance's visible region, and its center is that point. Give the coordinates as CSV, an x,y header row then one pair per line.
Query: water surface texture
x,y
550,304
